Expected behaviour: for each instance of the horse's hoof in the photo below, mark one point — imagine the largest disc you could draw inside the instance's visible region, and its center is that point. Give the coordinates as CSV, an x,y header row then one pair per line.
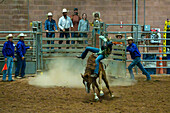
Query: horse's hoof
x,y
101,93
112,96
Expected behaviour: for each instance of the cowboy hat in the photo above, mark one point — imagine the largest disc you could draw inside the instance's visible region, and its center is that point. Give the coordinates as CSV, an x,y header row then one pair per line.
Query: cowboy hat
x,y
21,35
9,36
130,38
96,13
49,14
119,35
64,10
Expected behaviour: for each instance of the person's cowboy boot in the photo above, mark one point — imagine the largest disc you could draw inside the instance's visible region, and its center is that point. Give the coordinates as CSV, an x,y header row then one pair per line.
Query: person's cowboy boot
x,y
78,56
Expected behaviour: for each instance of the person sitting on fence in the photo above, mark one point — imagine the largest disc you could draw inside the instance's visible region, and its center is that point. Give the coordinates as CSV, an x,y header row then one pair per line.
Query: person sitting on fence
x,y
84,26
135,55
65,24
75,20
21,50
102,53
50,25
8,52
118,36
96,32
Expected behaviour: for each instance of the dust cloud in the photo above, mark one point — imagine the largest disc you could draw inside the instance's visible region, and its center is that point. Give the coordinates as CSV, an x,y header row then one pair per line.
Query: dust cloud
x,y
122,82
62,72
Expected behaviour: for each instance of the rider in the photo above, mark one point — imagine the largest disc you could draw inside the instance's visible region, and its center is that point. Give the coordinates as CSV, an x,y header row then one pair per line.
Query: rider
x,y
102,53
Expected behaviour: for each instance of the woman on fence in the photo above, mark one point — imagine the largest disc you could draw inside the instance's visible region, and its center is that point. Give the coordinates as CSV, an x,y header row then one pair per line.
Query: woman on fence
x,y
84,26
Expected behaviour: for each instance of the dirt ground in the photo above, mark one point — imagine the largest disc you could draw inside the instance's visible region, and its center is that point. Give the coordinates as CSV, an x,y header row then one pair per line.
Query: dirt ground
x,y
143,97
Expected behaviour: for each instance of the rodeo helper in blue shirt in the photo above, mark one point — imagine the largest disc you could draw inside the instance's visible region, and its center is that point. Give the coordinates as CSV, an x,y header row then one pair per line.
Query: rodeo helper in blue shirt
x,y
134,52
21,48
8,49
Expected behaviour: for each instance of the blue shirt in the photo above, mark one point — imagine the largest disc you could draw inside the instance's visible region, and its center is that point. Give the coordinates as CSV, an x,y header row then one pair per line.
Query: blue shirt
x,y
134,52
83,25
49,25
8,49
21,48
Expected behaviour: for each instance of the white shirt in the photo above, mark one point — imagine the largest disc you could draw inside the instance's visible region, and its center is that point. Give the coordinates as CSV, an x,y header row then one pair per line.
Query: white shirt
x,y
65,23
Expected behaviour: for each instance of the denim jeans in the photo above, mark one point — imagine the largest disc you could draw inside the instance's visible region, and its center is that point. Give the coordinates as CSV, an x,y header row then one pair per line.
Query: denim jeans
x,y
74,35
52,35
67,35
98,59
9,69
21,64
137,61
84,35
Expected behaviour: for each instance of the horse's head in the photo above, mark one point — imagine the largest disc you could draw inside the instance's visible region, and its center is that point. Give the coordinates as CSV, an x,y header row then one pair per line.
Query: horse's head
x,y
87,81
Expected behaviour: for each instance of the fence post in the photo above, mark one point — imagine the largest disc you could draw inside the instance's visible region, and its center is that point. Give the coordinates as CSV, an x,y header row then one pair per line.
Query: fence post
x,y
37,29
125,55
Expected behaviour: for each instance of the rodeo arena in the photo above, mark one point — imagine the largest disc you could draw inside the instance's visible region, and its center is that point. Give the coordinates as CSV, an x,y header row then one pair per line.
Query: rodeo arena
x,y
80,56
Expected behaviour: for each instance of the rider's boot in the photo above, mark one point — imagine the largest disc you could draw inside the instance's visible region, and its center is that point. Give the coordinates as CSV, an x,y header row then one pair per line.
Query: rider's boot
x,y
78,56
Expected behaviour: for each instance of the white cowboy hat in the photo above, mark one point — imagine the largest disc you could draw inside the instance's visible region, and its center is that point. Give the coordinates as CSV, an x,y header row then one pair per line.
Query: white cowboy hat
x,y
95,13
130,38
64,10
9,36
119,35
50,14
21,35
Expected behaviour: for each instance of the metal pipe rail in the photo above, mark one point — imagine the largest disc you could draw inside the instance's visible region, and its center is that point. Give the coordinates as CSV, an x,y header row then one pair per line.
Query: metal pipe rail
x,y
4,32
153,39
65,39
117,32
66,32
151,53
148,60
151,46
122,25
153,32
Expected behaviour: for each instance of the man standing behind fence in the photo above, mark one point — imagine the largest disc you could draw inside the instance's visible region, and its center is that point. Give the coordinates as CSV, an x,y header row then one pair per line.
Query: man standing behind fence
x,y
8,52
21,50
135,55
65,24
50,25
75,19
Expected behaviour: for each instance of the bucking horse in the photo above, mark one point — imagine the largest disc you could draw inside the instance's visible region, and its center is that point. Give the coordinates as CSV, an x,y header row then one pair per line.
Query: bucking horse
x,y
88,80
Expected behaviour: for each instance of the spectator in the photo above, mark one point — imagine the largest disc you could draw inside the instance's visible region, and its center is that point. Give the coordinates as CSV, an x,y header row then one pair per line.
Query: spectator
x,y
75,19
118,36
50,25
8,52
65,24
21,50
84,26
96,32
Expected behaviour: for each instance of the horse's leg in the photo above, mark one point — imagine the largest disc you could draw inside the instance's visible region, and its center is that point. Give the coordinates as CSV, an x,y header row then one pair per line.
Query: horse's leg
x,y
106,82
95,94
97,86
100,84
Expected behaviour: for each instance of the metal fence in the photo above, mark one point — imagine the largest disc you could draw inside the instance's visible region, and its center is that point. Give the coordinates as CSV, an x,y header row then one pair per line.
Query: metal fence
x,y
43,51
